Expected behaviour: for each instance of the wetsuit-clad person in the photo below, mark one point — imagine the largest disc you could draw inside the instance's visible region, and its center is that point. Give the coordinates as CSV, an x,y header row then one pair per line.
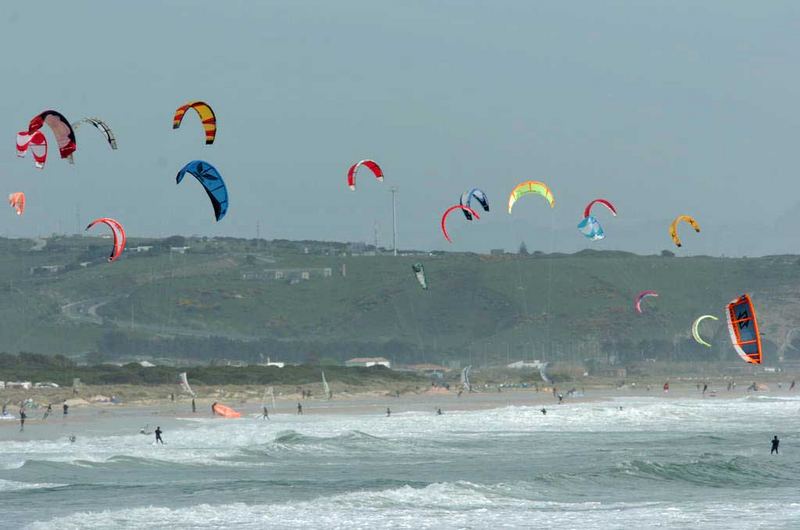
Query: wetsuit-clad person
x,y
299,409
791,387
775,444
48,411
439,412
22,417
66,409
158,436
266,414
213,410
705,387
194,406
544,411
388,412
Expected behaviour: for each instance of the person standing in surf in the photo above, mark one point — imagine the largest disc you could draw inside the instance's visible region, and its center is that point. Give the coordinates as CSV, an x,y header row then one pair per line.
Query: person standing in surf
x,y
48,411
265,415
66,409
775,444
388,412
299,409
22,417
158,436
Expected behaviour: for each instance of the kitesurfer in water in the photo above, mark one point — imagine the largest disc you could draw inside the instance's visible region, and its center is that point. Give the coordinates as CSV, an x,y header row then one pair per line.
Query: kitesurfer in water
x,y
439,412
705,387
213,410
158,435
299,409
66,408
775,444
48,411
544,411
194,406
791,387
265,416
388,412
22,417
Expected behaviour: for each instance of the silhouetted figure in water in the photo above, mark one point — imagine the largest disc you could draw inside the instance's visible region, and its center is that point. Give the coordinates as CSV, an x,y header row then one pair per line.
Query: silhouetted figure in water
x,y
48,411
72,438
22,417
265,415
158,436
388,412
194,406
172,397
544,411
66,409
705,387
438,412
560,398
791,387
299,409
775,444
213,410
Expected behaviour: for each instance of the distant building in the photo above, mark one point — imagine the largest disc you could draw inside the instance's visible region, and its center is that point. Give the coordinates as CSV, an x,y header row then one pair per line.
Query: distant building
x,y
525,364
367,362
428,368
25,385
46,269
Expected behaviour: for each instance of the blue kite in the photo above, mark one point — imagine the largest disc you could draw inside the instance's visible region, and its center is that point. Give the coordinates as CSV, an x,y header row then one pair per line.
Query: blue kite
x,y
212,181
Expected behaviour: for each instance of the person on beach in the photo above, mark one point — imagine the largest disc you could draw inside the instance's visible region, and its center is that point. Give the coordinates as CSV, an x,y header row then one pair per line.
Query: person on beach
x,y
299,409
22,417
48,411
388,412
158,436
775,444
66,409
265,415
194,406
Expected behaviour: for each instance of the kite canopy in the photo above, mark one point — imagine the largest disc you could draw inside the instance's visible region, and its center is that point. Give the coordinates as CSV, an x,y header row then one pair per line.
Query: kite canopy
x,y
212,181
183,380
226,412
696,329
641,296
101,126
65,136
419,272
590,227
530,186
37,143
588,210
206,114
17,201
119,235
451,209
673,228
743,328
478,195
369,164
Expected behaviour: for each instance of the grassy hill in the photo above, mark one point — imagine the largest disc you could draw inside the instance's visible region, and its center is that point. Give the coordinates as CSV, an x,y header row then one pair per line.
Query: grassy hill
x,y
221,299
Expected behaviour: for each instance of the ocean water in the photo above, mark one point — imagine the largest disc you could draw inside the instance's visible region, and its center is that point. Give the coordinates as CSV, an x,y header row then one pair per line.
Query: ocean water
x,y
657,463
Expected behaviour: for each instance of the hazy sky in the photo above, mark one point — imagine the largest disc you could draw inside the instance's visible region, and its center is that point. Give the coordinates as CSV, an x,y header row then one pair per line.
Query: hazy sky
x,y
662,107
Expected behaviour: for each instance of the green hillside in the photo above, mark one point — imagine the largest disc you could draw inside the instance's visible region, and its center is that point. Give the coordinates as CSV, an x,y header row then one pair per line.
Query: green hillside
x,y
226,299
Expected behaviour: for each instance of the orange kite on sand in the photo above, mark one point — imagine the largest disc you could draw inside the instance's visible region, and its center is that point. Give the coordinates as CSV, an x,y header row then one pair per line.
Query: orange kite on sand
x,y
226,412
